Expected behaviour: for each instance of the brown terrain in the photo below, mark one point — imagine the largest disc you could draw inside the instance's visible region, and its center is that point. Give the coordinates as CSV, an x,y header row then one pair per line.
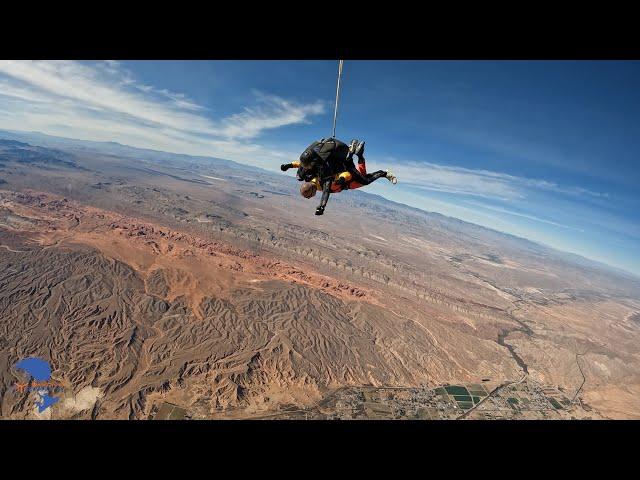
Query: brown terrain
x,y
147,278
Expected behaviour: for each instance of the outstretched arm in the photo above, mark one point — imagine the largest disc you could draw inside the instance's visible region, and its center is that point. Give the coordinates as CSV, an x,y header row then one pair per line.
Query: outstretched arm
x,y
326,191
286,166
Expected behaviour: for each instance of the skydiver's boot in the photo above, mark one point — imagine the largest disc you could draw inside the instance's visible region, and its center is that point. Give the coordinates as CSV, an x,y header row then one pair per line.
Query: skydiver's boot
x,y
391,177
352,149
359,150
352,146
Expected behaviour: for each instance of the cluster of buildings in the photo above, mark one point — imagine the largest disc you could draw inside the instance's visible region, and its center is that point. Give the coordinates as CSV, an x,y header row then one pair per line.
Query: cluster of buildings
x,y
522,400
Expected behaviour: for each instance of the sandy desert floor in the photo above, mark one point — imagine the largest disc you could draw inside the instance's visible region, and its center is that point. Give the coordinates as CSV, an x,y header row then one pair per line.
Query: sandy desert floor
x,y
214,290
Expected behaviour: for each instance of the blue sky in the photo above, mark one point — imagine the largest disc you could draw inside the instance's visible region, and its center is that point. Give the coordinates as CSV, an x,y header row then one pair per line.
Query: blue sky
x,y
544,150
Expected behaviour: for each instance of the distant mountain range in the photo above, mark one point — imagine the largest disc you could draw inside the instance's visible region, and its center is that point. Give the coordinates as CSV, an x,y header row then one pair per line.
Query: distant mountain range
x,y
29,146
117,149
26,153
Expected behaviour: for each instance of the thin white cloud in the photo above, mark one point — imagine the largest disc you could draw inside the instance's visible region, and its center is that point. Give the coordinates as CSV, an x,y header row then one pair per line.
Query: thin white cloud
x,y
272,112
522,215
104,101
479,183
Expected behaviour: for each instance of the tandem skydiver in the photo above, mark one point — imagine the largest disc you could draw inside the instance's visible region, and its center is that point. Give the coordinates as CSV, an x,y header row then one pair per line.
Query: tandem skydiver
x,y
327,165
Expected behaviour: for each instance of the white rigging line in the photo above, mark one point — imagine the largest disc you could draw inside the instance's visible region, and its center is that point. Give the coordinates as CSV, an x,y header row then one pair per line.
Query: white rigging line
x,y
335,111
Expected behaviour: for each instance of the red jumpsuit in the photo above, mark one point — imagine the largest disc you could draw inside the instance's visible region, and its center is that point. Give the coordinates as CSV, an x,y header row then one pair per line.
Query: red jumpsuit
x,y
350,183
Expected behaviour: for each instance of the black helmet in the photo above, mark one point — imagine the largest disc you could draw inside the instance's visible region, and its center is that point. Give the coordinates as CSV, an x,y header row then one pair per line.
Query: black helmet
x,y
309,158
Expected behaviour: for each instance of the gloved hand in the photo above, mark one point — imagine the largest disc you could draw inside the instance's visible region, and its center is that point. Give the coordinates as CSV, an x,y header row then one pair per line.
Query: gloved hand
x,y
319,210
284,167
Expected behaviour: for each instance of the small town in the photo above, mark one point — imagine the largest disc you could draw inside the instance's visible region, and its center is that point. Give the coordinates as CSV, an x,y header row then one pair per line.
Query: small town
x,y
521,399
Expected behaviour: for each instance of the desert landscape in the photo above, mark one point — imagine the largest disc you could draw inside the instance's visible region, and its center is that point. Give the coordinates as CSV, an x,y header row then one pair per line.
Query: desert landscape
x,y
160,285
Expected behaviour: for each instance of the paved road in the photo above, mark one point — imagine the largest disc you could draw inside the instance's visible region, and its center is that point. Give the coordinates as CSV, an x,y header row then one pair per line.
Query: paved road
x,y
584,379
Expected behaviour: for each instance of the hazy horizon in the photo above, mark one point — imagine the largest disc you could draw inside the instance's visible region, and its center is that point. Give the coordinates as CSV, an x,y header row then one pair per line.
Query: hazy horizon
x,y
542,244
